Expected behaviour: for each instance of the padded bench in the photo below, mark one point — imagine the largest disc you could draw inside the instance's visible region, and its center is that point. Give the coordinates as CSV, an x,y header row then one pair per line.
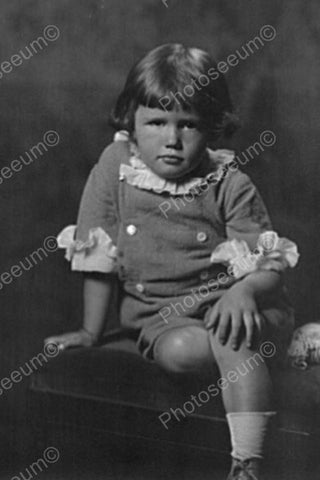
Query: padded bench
x,y
112,389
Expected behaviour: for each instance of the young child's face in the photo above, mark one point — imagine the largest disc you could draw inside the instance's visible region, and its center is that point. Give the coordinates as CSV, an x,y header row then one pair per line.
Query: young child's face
x,y
171,143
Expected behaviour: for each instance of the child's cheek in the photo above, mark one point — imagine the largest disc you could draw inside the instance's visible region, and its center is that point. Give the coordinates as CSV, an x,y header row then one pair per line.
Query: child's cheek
x,y
147,138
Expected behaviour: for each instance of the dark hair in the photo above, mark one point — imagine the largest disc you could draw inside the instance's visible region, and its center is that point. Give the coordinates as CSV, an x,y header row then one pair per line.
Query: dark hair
x,y
162,78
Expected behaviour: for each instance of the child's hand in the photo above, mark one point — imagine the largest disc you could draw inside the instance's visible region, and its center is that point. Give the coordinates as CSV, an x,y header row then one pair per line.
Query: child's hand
x,y
80,338
236,310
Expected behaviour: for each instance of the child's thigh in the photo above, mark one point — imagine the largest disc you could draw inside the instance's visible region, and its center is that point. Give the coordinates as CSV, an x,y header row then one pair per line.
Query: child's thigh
x,y
181,346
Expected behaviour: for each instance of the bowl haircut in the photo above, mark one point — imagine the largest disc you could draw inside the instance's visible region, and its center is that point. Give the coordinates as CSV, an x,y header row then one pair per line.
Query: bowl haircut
x,y
176,77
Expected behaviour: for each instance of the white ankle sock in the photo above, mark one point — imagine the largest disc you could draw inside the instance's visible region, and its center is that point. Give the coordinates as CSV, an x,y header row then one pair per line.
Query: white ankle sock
x,y
248,431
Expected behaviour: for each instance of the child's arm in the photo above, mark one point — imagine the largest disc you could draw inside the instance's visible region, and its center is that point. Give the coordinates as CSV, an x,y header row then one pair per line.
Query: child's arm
x,y
237,309
97,290
263,283
246,220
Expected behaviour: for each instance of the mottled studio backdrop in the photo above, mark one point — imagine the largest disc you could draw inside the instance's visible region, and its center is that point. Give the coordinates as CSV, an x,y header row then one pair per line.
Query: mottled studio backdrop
x,y
61,95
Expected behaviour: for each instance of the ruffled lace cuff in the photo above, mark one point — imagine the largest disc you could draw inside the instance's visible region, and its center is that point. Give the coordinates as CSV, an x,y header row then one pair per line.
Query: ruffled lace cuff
x,y
271,253
97,254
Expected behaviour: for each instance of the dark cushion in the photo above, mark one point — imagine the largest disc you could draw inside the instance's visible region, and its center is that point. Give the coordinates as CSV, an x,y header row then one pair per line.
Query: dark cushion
x,y
116,372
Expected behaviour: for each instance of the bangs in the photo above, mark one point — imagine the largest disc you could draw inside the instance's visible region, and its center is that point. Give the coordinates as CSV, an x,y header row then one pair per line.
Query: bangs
x,y
168,74
167,78
157,94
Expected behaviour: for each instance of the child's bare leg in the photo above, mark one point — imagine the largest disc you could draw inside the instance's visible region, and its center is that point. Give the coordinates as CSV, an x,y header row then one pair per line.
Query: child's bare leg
x,y
248,403
192,348
252,389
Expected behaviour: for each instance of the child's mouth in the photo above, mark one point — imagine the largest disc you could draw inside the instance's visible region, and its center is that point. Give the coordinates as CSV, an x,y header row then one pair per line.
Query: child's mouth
x,y
171,159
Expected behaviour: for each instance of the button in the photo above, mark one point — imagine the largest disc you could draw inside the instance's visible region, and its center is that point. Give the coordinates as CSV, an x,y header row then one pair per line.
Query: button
x,y
204,275
140,287
202,237
131,229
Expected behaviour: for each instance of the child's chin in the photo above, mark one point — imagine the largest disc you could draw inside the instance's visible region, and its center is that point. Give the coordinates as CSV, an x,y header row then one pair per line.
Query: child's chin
x,y
169,172
173,175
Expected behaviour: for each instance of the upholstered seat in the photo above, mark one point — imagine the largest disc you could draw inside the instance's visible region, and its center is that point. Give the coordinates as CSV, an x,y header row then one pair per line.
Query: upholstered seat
x,y
113,388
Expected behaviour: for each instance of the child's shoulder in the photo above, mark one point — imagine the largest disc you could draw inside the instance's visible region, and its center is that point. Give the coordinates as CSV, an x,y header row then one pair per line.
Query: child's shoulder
x,y
114,154
227,170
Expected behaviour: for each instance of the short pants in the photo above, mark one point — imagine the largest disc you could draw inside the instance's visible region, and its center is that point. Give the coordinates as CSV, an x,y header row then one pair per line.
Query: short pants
x,y
279,321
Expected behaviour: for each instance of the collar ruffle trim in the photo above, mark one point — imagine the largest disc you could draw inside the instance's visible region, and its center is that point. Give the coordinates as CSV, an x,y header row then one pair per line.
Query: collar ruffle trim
x,y
139,175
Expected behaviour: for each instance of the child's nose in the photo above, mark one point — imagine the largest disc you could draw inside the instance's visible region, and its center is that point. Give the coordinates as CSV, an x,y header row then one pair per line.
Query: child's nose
x,y
173,137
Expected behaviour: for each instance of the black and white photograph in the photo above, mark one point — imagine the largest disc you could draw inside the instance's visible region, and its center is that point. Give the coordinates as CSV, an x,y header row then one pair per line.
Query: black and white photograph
x,y
160,224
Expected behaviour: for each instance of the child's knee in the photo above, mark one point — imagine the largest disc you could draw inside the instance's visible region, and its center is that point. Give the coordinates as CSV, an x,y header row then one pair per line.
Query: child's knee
x,y
228,356
183,350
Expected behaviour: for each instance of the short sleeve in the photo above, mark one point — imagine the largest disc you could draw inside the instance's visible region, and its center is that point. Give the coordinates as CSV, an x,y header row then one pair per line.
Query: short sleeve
x,y
251,244
245,214
91,245
98,206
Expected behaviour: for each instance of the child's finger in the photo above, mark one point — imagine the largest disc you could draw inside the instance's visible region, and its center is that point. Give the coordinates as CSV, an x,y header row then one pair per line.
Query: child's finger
x,y
213,320
249,324
259,324
224,325
48,340
71,340
63,344
62,341
55,342
236,329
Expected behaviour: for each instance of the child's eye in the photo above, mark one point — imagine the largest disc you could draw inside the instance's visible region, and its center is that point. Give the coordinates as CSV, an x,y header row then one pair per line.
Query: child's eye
x,y
189,125
157,123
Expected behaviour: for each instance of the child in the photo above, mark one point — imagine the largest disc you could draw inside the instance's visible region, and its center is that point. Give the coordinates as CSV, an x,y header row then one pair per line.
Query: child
x,y
158,213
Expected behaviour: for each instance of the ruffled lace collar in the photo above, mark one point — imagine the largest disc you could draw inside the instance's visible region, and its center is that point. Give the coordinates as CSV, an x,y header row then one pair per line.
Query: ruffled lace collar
x,y
137,174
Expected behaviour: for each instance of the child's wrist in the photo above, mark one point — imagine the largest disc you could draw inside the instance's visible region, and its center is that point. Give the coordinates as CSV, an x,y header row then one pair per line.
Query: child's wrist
x,y
245,287
261,283
93,336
